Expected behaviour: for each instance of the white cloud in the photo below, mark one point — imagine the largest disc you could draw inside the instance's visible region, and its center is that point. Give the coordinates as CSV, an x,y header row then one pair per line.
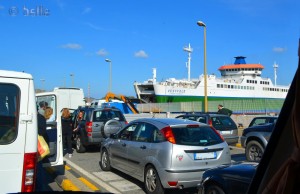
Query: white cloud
x,y
141,54
71,46
86,10
279,49
102,52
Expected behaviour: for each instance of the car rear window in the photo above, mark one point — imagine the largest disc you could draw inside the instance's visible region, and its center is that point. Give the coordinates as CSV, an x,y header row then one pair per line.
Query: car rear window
x,y
223,122
196,136
105,115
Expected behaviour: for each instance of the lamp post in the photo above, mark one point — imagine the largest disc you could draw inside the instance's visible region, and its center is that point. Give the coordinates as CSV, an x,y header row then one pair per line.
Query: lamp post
x,y
109,61
202,24
72,78
43,81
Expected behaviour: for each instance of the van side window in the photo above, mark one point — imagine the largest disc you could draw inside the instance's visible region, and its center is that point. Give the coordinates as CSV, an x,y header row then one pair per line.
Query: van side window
x,y
9,113
47,102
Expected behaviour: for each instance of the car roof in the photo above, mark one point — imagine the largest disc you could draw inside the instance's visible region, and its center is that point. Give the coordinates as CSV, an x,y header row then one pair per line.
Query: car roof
x,y
168,121
203,114
98,108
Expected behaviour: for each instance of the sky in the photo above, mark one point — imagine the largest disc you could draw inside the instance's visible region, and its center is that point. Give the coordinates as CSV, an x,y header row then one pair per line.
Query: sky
x,y
64,43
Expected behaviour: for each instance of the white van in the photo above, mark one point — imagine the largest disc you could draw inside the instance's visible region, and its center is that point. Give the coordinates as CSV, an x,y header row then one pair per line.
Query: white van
x,y
58,99
18,132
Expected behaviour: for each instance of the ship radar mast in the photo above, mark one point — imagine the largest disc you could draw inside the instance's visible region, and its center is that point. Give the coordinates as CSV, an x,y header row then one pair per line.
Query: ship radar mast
x,y
275,66
188,63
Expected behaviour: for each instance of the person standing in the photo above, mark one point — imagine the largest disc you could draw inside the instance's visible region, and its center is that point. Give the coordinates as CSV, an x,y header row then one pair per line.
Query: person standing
x,y
224,111
66,123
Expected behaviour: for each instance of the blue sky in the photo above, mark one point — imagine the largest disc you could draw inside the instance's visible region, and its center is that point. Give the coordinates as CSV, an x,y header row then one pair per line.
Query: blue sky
x,y
75,37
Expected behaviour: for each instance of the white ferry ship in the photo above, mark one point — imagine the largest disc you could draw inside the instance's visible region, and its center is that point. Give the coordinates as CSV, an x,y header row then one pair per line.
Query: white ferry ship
x,y
238,82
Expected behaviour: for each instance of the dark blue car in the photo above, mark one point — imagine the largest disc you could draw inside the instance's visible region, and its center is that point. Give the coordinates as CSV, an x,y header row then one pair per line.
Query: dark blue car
x,y
227,179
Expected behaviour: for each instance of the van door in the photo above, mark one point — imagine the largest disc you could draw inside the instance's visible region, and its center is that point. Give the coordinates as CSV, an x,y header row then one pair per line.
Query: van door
x,y
18,133
54,130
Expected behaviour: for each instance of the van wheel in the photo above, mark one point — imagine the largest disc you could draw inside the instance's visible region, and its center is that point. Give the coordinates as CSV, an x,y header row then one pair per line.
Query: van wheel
x,y
152,182
104,161
79,147
254,151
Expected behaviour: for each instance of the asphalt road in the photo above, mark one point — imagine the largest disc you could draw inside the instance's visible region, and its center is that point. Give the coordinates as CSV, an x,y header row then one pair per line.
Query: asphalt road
x,y
83,173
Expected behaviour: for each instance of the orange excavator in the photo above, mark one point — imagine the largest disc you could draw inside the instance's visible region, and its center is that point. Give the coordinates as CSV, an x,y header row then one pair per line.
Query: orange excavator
x,y
126,100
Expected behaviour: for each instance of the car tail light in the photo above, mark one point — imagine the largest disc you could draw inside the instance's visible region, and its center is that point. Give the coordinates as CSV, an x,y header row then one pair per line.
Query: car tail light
x,y
217,133
88,127
172,183
29,172
192,126
210,122
168,133
126,122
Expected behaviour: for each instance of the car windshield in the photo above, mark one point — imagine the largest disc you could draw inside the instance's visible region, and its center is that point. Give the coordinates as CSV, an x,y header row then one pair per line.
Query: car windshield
x,y
196,136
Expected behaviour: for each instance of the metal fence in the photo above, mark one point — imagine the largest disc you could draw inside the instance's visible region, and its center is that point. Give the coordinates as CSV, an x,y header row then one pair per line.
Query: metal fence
x,y
251,106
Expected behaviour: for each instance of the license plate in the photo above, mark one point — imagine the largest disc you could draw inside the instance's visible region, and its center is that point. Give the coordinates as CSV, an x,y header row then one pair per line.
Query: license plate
x,y
205,156
225,132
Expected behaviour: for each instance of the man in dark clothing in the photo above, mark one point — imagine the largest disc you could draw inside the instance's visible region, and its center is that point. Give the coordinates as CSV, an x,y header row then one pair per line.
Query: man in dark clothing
x,y
224,111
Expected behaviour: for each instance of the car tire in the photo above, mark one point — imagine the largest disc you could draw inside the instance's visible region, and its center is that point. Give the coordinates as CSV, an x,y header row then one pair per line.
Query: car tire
x,y
79,146
104,161
110,127
214,189
152,181
254,151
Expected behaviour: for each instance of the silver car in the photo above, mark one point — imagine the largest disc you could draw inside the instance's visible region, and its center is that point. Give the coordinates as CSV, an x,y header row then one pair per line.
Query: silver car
x,y
164,153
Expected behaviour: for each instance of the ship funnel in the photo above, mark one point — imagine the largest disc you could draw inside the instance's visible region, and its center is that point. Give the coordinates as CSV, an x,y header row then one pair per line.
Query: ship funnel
x,y
154,75
240,60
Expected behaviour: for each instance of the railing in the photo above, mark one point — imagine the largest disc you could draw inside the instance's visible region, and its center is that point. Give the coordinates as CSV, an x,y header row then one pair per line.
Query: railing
x,y
251,106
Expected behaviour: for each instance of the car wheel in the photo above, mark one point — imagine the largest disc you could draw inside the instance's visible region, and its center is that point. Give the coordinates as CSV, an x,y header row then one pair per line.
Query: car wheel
x,y
254,151
104,161
152,181
214,189
79,147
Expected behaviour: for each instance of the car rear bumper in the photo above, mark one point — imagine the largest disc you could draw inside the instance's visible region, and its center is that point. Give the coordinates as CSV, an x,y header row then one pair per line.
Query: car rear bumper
x,y
232,140
184,179
243,139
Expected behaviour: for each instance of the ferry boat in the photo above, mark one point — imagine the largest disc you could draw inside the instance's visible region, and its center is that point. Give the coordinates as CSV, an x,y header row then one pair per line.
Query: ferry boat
x,y
238,82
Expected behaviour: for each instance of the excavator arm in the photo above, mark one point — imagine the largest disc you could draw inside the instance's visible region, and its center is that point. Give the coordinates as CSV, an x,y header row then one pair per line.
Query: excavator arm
x,y
126,100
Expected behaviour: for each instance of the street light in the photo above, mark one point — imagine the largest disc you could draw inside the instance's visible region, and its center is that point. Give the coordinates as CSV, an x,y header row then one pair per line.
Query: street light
x,y
202,24
109,61
43,81
72,78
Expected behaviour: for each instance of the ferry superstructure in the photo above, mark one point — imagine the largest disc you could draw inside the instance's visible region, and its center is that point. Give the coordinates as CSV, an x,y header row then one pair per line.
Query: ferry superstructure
x,y
238,81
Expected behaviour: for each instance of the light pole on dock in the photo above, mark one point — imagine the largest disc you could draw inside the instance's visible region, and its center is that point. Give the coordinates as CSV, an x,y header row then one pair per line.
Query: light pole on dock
x,y
202,24
109,61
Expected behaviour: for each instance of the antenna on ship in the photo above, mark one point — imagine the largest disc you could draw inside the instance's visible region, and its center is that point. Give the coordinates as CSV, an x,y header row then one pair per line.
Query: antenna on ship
x,y
275,66
188,64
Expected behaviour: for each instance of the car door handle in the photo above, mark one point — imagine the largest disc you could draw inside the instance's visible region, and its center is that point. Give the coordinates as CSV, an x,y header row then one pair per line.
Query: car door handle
x,y
96,125
124,144
143,147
